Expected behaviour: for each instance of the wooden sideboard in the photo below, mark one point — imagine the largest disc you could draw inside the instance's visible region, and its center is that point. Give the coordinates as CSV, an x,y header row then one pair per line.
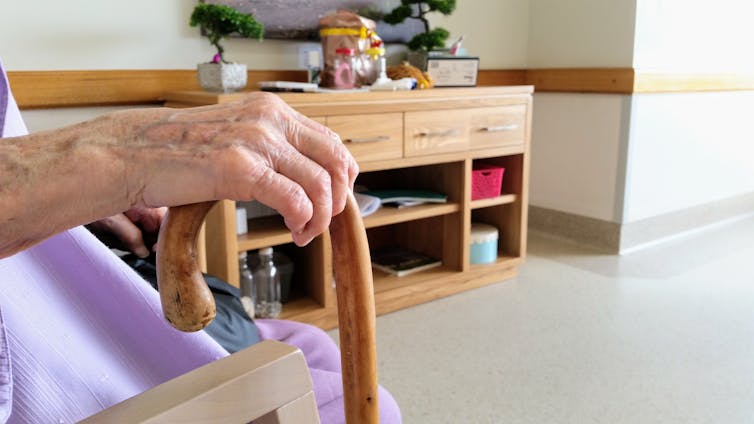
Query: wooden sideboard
x,y
418,139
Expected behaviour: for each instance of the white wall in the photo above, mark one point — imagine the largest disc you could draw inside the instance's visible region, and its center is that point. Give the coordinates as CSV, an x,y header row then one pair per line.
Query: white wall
x,y
135,34
692,148
648,154
694,35
146,34
581,33
688,149
578,140
494,30
578,152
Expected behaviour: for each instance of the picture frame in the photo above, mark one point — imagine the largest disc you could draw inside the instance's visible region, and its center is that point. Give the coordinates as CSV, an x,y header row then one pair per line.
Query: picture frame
x,y
297,20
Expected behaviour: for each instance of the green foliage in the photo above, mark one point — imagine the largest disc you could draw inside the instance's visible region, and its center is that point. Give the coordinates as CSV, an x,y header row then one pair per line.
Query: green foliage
x,y
433,39
416,9
218,21
398,15
446,7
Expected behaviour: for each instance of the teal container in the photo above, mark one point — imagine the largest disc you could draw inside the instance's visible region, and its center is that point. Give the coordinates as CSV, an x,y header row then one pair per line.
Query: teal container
x,y
483,243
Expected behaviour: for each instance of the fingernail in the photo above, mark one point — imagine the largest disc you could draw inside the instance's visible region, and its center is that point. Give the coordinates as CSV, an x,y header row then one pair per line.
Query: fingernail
x,y
300,239
298,230
142,252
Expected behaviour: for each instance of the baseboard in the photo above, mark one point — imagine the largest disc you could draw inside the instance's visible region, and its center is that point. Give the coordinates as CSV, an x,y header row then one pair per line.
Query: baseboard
x,y
612,237
650,231
592,232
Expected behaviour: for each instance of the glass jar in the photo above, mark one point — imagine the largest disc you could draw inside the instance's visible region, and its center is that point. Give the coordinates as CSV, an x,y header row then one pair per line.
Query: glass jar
x,y
246,281
344,64
267,284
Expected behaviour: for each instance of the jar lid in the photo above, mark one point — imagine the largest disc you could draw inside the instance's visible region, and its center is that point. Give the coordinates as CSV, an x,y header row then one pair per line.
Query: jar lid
x,y
345,51
481,233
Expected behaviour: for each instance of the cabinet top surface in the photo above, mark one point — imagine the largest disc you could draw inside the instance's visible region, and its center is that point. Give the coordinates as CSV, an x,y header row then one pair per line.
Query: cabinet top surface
x,y
436,94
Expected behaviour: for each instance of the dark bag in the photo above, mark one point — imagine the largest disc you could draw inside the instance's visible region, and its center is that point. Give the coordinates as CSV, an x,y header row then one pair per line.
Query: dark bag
x,y
232,328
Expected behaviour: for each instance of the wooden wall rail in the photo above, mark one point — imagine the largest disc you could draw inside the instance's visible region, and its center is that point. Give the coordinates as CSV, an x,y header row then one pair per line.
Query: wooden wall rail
x,y
49,89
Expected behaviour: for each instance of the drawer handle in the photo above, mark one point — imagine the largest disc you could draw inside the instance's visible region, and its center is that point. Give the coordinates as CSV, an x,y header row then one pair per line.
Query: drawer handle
x,y
500,128
446,133
368,139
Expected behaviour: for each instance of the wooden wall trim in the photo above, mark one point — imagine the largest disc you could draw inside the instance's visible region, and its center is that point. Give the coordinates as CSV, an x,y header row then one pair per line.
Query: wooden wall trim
x,y
492,77
667,82
50,89
587,80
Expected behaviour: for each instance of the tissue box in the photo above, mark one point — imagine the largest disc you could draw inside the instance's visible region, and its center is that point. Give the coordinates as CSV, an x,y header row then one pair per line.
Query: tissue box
x,y
453,71
483,243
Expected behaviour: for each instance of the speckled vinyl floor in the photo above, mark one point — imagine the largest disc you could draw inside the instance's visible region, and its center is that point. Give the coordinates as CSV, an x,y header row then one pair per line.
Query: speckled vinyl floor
x,y
663,335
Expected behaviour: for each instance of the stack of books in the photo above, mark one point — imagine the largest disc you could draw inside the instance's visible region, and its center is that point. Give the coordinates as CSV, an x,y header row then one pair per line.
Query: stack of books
x,y
402,261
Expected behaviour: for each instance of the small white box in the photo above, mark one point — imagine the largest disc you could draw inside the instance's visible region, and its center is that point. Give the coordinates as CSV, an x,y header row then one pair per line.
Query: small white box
x,y
453,71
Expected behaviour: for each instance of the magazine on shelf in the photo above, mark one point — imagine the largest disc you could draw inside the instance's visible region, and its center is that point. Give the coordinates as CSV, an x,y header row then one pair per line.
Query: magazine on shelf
x,y
404,198
401,261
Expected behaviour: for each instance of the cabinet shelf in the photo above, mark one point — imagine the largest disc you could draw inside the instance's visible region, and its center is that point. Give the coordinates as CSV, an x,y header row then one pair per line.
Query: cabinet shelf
x,y
493,201
390,215
501,261
264,232
384,282
299,306
411,284
271,231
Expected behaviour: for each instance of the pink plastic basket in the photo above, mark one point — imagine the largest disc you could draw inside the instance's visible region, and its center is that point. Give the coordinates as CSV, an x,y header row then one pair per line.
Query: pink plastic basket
x,y
486,181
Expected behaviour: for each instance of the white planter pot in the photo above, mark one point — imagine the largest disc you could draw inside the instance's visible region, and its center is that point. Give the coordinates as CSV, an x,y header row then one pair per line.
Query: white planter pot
x,y
222,77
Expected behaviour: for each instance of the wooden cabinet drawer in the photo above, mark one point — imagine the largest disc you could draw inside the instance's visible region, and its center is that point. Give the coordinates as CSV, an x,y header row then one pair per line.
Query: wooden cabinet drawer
x,y
436,132
370,137
497,126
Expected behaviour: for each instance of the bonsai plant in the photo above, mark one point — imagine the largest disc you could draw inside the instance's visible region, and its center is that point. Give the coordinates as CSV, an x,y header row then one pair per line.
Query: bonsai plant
x,y
217,22
416,9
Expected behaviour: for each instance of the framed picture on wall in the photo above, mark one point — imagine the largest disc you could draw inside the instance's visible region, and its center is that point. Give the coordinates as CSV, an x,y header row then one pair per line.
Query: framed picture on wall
x,y
299,20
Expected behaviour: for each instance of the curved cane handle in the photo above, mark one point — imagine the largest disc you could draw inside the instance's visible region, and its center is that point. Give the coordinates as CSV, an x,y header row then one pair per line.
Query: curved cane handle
x,y
187,302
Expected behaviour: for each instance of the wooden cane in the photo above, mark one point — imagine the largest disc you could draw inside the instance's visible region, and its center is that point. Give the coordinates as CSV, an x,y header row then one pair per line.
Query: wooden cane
x,y
189,306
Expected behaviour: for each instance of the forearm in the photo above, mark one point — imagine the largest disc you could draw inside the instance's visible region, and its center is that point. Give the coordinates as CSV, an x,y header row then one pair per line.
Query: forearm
x,y
257,148
52,181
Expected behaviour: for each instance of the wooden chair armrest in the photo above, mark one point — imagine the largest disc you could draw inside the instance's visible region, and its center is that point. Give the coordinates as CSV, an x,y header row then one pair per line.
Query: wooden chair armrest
x,y
268,382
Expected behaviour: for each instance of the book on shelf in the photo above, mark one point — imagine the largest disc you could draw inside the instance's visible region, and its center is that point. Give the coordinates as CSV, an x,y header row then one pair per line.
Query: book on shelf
x,y
401,261
407,197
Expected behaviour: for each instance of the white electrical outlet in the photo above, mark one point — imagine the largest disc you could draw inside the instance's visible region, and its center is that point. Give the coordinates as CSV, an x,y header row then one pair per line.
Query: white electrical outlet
x,y
309,56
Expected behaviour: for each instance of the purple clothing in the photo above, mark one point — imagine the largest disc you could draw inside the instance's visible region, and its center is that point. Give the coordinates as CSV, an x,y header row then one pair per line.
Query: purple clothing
x,y
85,331
11,124
81,331
323,358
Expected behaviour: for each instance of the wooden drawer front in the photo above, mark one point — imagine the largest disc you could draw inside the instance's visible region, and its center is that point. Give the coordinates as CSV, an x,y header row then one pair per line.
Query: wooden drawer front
x,y
321,119
497,126
372,136
439,131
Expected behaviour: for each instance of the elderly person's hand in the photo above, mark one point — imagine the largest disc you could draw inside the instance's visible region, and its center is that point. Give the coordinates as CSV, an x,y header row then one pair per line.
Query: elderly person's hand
x,y
258,148
134,230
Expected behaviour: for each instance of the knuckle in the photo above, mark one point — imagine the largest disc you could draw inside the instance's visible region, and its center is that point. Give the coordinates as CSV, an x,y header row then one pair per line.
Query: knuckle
x,y
322,183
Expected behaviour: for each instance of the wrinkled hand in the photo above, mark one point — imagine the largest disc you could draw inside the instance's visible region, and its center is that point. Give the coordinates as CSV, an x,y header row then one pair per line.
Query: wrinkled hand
x,y
134,231
258,148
